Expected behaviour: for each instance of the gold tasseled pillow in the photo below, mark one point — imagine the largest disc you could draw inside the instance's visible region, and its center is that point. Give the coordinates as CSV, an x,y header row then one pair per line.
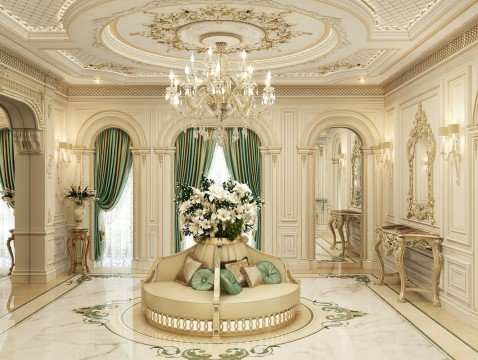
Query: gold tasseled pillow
x,y
185,274
253,275
235,268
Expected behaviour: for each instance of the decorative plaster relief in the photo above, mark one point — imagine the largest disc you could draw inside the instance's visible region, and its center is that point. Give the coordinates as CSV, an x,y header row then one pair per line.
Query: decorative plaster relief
x,y
28,142
273,28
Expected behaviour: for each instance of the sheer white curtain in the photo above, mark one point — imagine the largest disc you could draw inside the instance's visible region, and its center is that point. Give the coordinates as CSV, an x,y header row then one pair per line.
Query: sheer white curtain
x,y
117,225
219,173
7,222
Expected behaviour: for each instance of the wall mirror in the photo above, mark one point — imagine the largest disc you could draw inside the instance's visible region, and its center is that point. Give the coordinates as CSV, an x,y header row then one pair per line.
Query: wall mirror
x,y
338,177
421,149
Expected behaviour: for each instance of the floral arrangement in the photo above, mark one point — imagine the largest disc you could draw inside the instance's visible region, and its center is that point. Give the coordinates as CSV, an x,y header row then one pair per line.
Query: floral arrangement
x,y
8,196
217,210
78,196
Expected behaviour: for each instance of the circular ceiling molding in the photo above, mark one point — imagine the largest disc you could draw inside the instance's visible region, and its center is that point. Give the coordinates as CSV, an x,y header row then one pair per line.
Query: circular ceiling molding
x,y
165,36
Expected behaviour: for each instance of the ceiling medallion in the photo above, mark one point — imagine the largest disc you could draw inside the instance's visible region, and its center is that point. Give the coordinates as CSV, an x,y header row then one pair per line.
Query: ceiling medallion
x,y
274,29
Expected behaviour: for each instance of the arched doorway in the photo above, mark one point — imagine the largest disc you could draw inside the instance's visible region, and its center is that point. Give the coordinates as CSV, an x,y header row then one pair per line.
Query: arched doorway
x,y
34,242
338,179
365,129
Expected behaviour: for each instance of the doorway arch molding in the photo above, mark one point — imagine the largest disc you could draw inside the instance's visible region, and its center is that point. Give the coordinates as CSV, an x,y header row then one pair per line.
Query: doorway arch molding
x,y
110,119
85,150
367,131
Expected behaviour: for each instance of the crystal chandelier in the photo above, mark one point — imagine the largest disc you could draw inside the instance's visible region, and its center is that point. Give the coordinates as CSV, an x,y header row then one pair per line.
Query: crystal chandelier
x,y
218,88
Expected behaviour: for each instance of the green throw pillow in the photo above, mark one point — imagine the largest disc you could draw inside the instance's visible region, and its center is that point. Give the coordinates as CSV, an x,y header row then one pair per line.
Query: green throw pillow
x,y
270,274
203,280
229,282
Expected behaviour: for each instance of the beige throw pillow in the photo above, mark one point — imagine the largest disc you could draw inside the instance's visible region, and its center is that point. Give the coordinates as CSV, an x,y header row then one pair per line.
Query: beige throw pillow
x,y
235,268
185,274
253,275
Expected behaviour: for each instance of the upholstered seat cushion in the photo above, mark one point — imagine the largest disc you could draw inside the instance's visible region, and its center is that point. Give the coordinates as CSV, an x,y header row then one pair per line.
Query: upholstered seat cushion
x,y
203,280
259,301
175,299
270,274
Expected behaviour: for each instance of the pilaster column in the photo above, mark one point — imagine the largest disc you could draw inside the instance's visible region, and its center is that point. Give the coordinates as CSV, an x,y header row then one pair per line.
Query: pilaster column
x,y
165,158
371,205
141,247
307,204
269,196
33,234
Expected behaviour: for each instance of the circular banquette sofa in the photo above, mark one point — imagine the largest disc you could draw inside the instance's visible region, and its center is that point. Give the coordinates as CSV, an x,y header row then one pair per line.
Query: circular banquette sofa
x,y
173,306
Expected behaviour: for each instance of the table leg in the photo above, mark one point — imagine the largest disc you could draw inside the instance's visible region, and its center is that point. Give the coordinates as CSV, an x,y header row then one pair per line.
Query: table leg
x,y
340,228
331,226
71,254
376,248
399,252
437,265
347,222
9,247
85,255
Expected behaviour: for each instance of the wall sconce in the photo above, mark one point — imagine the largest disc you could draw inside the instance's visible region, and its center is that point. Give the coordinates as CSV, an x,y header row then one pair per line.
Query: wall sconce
x,y
64,149
341,161
450,136
385,153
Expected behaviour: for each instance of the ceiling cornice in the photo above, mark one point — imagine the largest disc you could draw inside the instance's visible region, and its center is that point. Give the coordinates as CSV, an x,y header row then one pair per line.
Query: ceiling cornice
x,y
449,47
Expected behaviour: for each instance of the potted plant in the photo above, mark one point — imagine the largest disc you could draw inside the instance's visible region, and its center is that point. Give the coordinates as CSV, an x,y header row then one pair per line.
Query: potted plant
x,y
77,197
214,210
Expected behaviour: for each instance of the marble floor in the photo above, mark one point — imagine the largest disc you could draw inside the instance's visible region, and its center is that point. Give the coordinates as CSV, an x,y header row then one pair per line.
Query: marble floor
x,y
76,319
324,253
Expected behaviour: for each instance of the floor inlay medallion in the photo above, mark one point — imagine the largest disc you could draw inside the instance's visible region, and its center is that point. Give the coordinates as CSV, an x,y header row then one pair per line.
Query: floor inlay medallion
x,y
124,318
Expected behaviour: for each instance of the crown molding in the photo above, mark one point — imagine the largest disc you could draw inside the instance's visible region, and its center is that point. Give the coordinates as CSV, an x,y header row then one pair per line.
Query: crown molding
x,y
448,48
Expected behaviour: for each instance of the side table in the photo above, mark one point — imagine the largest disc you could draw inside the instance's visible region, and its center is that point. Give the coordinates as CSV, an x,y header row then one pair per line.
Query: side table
x,y
78,249
338,220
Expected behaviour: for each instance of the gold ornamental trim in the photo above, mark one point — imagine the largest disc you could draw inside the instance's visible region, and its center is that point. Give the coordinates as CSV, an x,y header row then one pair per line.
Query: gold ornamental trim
x,y
220,33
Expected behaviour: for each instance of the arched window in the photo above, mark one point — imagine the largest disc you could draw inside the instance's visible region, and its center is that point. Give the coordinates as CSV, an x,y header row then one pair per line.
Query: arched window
x,y
114,206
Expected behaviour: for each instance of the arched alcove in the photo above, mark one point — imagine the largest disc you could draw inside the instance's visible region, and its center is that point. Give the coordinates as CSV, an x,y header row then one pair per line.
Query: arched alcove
x,y
20,114
84,148
367,132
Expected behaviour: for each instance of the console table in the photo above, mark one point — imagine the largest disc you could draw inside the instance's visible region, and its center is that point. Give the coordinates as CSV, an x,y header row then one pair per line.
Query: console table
x,y
394,239
339,219
78,248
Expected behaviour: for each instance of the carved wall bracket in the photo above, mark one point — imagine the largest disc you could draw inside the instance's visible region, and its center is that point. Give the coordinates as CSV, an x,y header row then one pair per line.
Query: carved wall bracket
x,y
28,142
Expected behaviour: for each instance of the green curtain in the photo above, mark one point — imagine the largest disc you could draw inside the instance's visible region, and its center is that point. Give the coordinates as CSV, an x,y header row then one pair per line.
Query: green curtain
x,y
113,161
193,159
244,161
7,160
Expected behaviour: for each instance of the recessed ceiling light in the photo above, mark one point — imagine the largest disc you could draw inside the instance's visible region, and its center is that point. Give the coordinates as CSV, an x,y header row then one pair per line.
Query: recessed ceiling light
x,y
97,80
362,79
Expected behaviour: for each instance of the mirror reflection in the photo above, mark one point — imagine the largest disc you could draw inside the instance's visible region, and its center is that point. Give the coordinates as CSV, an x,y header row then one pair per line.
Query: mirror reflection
x,y
338,196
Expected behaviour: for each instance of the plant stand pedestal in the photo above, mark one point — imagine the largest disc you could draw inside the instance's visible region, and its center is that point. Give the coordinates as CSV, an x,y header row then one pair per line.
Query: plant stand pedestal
x,y
9,247
78,249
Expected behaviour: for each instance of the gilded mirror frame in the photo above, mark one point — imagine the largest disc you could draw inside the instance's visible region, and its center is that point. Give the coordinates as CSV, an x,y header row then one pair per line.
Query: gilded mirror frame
x,y
421,131
356,197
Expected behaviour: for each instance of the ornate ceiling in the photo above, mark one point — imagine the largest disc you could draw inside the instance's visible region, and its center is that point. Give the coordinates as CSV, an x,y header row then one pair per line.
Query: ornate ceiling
x,y
307,41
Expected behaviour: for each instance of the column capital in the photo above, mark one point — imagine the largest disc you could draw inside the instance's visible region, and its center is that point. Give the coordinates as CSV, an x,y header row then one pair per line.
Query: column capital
x,y
164,150
306,150
141,150
28,141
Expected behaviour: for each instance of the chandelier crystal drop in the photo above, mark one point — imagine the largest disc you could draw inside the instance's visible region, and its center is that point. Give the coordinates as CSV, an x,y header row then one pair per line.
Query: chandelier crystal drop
x,y
217,88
